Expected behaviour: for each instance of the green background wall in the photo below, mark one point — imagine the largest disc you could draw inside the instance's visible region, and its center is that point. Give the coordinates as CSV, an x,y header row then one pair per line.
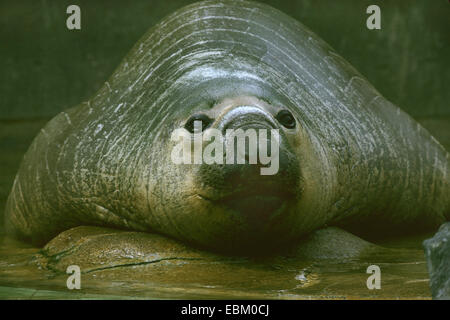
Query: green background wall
x,y
45,68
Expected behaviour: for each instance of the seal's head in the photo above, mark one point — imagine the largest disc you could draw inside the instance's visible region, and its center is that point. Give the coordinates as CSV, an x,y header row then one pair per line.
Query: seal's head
x,y
225,66
232,177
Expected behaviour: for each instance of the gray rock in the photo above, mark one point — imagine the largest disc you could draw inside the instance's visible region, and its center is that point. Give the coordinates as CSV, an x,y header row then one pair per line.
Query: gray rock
x,y
437,252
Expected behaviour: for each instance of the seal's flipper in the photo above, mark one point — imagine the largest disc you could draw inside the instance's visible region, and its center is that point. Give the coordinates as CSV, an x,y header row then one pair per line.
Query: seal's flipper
x,y
333,243
97,248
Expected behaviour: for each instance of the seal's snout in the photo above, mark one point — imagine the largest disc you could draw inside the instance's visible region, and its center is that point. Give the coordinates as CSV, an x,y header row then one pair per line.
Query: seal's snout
x,y
251,137
256,197
242,172
246,117
259,173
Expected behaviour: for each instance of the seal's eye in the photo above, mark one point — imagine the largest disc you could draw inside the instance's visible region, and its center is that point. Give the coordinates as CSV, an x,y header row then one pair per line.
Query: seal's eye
x,y
202,118
286,119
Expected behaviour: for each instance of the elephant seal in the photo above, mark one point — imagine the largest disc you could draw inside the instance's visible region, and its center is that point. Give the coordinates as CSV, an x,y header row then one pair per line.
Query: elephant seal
x,y
347,156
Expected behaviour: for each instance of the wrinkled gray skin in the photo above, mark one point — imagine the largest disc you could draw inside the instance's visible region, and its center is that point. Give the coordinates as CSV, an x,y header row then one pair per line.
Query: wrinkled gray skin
x,y
353,160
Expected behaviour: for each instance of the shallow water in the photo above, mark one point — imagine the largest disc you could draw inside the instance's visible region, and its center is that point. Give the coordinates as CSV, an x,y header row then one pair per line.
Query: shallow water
x,y
403,272
403,276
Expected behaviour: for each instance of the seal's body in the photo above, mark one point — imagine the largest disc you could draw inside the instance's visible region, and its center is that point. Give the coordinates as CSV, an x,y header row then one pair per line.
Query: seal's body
x,y
347,155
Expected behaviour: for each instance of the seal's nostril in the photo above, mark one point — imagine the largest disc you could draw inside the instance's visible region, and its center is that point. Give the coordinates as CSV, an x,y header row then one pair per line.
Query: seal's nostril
x,y
286,119
204,119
